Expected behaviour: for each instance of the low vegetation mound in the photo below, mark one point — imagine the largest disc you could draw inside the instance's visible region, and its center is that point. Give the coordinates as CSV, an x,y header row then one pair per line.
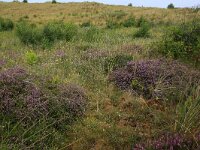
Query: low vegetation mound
x,y
161,79
19,96
22,98
30,34
171,141
34,111
182,42
6,24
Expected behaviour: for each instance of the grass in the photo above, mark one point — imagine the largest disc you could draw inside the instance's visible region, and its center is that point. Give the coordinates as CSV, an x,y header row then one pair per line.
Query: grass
x,y
113,118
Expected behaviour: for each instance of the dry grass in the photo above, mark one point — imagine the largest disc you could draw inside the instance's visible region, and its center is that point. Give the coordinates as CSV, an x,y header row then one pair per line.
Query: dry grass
x,y
82,12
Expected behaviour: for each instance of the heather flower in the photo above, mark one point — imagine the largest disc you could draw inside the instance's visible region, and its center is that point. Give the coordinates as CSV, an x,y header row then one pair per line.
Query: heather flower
x,y
2,63
19,96
60,54
73,99
94,54
157,78
169,141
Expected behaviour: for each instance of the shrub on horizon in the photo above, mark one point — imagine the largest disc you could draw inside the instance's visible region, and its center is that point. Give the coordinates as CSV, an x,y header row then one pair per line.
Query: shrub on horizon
x,y
130,4
25,1
170,6
54,1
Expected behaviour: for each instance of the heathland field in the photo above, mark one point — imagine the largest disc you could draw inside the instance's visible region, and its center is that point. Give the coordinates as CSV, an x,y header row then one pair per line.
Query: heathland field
x,y
90,76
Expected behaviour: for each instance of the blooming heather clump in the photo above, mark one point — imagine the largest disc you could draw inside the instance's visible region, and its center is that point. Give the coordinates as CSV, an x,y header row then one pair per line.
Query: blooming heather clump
x,y
19,97
60,54
2,62
156,78
73,98
169,141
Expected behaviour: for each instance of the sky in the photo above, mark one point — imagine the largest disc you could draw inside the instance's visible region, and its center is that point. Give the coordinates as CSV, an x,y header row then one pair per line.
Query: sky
x,y
145,3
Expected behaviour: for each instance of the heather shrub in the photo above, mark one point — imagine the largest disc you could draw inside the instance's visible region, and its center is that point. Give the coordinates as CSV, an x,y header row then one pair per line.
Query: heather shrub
x,y
176,141
130,22
6,24
182,42
29,34
161,79
36,112
73,99
23,97
31,57
118,61
20,98
143,31
2,63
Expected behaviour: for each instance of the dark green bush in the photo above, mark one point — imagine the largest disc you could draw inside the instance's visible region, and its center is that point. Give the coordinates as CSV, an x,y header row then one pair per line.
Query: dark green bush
x,y
91,34
118,14
6,24
130,4
86,24
130,22
141,21
29,34
143,31
54,2
59,31
112,63
112,24
170,6
182,42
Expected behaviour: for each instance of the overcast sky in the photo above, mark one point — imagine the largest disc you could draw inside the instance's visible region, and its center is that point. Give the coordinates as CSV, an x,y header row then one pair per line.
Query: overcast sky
x,y
145,3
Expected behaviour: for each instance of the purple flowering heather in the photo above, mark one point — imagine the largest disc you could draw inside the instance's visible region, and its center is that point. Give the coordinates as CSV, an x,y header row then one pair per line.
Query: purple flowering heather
x,y
60,54
94,54
73,98
2,63
19,96
169,141
156,78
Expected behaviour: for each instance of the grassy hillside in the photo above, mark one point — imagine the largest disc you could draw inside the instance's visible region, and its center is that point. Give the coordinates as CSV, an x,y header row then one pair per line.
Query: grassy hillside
x,y
81,12
94,76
